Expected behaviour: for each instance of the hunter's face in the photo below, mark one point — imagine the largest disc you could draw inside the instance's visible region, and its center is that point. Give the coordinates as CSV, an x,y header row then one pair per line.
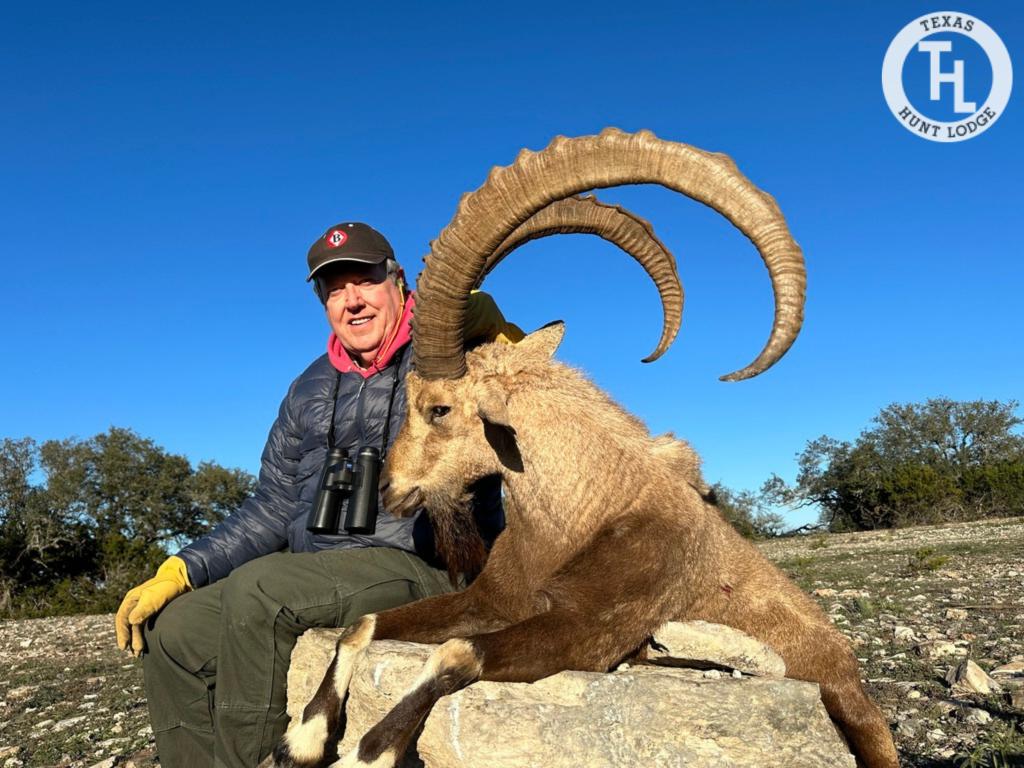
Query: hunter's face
x,y
363,307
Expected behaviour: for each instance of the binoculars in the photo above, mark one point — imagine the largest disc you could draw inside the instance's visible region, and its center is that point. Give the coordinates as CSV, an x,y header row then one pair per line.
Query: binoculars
x,y
346,501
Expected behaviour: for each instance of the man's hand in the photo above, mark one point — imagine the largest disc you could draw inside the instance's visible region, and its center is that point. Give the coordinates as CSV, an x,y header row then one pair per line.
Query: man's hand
x,y
148,598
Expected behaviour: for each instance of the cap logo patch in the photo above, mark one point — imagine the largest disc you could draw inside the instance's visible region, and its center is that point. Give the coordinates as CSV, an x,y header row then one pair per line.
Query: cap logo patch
x,y
335,238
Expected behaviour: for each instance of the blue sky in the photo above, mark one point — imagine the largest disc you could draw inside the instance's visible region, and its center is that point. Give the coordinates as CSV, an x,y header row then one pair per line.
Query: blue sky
x,y
165,168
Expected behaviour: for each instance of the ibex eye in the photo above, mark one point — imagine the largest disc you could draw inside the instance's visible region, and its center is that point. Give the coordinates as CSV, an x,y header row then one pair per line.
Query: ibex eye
x,y
439,410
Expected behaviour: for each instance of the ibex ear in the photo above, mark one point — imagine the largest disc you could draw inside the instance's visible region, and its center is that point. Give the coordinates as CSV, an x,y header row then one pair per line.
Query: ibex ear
x,y
498,429
544,340
493,409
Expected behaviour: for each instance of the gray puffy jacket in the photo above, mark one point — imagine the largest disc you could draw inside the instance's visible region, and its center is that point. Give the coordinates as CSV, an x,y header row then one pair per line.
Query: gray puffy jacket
x,y
275,517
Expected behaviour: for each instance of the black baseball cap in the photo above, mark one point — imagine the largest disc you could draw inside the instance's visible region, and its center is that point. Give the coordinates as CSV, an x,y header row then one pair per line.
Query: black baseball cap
x,y
348,241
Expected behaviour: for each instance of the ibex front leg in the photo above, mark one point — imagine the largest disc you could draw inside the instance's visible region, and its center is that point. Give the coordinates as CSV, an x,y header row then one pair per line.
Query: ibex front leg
x,y
583,629
450,668
524,652
310,742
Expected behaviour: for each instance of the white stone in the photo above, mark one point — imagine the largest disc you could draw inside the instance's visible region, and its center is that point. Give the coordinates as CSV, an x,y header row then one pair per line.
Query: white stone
x,y
644,715
63,725
977,716
1013,669
650,717
968,677
903,633
935,648
683,642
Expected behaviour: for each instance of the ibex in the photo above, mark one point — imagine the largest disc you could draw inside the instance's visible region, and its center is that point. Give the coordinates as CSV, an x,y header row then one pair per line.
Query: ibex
x,y
609,535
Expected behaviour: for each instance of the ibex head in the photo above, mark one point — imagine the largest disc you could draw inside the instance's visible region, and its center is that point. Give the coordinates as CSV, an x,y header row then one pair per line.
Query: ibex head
x,y
457,431
453,431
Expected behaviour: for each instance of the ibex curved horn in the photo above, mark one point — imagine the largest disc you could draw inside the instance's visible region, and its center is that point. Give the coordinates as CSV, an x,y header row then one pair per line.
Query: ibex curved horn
x,y
566,167
588,215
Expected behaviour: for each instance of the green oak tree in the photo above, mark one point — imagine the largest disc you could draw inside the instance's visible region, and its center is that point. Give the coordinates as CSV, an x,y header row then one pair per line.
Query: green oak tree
x,y
83,520
918,463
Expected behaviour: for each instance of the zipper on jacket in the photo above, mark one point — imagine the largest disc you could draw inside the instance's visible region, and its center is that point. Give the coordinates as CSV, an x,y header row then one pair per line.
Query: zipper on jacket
x,y
359,414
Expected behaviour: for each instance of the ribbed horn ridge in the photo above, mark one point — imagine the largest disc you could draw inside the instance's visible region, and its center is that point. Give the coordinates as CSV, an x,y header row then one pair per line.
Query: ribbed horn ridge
x,y
588,215
567,167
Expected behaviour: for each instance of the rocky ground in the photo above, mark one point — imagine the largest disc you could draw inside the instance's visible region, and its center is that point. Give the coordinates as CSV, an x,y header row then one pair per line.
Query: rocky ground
x,y
915,603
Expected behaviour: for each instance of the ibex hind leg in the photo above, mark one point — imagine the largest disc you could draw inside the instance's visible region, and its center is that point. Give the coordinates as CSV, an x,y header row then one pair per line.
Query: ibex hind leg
x,y
310,742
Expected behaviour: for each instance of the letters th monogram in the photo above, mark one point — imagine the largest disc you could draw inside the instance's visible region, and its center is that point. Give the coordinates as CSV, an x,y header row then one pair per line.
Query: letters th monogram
x,y
935,49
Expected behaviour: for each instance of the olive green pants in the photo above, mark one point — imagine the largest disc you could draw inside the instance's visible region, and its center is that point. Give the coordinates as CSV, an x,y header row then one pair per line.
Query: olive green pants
x,y
216,659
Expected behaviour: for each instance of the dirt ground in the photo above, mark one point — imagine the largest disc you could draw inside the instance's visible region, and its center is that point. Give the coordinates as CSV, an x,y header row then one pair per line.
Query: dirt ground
x,y
914,603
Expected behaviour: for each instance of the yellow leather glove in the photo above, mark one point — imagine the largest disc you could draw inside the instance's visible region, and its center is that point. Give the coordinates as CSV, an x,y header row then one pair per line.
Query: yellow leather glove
x,y
148,598
484,322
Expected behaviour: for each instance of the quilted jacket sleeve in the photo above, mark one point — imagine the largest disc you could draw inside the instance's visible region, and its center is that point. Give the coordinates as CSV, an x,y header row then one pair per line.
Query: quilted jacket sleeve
x,y
260,525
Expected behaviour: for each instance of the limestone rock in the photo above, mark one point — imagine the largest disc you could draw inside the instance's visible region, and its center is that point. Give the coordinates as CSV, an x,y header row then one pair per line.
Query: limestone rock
x,y
976,716
908,728
63,725
1013,669
903,633
310,657
968,677
862,593
1016,695
697,643
646,715
21,692
377,685
386,673
932,649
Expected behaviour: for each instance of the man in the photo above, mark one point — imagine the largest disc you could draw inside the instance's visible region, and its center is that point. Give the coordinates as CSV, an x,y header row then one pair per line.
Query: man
x,y
219,620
